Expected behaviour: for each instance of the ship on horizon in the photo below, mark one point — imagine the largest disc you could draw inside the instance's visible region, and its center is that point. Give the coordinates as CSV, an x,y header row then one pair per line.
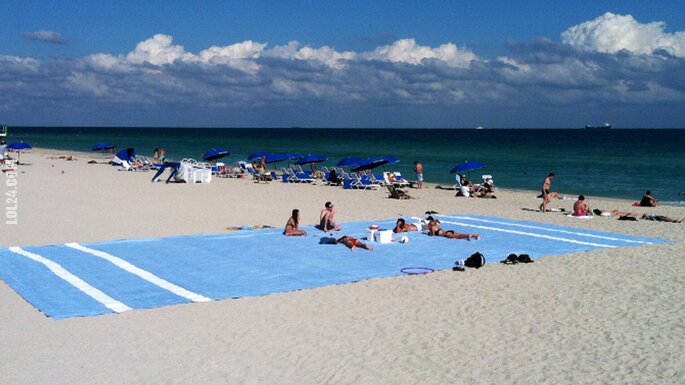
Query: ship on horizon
x,y
605,126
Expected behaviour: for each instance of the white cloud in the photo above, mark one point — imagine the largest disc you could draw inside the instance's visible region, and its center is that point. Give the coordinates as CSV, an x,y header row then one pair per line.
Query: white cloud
x,y
326,55
407,51
158,50
46,36
611,33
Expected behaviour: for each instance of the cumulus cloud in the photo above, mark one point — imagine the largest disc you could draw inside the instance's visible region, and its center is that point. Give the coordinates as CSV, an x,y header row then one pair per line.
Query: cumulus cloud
x,y
403,80
45,36
407,51
611,33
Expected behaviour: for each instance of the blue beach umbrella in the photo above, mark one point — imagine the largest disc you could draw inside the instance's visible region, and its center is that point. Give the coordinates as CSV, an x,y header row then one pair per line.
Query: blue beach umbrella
x,y
18,147
372,163
127,154
102,147
275,158
293,156
257,155
311,159
215,153
467,166
350,161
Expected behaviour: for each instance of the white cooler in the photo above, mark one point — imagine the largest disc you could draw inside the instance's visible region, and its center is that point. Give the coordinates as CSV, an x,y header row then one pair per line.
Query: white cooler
x,y
383,236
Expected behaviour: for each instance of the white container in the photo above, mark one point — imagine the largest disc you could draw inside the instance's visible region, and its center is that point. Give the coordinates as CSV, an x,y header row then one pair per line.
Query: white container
x,y
205,176
383,236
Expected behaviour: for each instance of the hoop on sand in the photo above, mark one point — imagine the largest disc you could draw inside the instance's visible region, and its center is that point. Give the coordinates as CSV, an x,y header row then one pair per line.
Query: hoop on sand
x,y
416,270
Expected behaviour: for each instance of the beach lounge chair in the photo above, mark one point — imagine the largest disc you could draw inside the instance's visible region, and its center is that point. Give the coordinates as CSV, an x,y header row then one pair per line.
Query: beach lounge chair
x,y
395,179
380,180
396,193
361,182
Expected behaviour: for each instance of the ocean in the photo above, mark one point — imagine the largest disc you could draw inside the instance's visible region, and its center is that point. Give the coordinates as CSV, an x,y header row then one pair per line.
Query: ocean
x,y
610,163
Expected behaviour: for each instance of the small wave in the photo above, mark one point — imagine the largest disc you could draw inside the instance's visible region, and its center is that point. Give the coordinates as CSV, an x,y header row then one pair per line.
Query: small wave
x,y
673,203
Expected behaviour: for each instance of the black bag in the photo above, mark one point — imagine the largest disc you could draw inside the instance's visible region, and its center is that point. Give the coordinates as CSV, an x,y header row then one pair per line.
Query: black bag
x,y
476,260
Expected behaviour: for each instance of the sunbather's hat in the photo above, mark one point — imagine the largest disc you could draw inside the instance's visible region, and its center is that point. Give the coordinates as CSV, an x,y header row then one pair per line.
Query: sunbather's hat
x,y
512,259
525,258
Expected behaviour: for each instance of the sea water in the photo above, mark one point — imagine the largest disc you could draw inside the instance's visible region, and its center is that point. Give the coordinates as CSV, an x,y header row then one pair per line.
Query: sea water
x,y
611,163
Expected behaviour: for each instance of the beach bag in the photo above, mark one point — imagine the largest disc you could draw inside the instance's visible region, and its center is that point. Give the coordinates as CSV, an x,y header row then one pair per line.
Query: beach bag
x,y
476,260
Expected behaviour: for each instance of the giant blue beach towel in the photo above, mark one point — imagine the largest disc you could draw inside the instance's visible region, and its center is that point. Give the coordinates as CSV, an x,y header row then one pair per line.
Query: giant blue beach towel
x,y
72,280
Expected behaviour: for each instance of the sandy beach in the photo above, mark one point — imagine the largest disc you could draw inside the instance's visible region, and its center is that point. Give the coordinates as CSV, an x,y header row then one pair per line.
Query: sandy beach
x,y
610,316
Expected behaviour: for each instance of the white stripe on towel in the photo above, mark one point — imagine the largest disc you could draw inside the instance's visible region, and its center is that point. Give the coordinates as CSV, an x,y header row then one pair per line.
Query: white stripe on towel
x,y
529,234
75,281
546,229
144,274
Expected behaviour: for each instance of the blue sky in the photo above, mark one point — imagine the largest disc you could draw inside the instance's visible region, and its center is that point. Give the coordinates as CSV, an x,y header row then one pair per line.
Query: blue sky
x,y
343,64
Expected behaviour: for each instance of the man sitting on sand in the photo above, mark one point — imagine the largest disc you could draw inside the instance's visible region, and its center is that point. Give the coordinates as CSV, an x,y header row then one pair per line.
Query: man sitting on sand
x,y
326,219
402,227
434,229
648,200
580,208
353,243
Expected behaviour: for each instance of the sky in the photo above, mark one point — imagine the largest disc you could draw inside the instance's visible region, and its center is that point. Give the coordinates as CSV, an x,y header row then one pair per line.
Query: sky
x,y
432,64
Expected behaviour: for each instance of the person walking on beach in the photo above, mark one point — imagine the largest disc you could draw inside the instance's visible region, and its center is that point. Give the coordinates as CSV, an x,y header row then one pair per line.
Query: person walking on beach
x,y
547,195
162,155
155,155
418,167
326,219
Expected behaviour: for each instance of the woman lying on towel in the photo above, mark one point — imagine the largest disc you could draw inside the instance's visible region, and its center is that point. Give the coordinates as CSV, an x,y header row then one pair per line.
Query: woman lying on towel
x,y
402,227
291,227
434,229
353,243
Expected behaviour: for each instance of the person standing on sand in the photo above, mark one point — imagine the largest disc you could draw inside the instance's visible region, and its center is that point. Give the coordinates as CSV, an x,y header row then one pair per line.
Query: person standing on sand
x,y
418,167
155,155
162,155
547,195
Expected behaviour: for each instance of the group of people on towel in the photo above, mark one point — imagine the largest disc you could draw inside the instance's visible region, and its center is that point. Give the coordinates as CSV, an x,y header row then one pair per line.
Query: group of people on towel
x,y
327,224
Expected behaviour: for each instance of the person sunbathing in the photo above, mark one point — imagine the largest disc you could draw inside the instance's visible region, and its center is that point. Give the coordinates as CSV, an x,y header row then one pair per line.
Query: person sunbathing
x,y
402,227
434,229
353,243
661,218
291,226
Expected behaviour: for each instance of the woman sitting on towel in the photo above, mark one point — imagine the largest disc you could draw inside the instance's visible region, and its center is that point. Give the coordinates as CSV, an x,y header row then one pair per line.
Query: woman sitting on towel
x,y
402,227
353,243
291,227
434,229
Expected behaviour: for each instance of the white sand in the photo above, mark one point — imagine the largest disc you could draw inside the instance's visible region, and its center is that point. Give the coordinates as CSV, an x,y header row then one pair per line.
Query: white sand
x,y
613,316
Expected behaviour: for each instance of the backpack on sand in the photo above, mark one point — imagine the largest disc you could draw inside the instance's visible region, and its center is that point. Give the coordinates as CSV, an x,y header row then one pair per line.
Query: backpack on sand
x,y
476,260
